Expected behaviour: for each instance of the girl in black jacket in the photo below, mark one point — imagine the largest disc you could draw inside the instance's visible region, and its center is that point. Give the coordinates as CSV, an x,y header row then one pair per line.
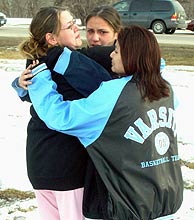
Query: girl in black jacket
x,y
56,163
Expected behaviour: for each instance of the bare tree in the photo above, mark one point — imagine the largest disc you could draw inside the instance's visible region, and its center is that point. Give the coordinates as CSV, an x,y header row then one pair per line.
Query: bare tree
x,y
58,2
80,8
188,5
22,8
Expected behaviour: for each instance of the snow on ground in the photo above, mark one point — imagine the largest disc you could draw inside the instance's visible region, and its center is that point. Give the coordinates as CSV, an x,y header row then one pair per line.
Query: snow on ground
x,y
14,116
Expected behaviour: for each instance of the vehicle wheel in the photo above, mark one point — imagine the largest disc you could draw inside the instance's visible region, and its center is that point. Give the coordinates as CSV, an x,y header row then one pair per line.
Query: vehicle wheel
x,y
158,27
170,31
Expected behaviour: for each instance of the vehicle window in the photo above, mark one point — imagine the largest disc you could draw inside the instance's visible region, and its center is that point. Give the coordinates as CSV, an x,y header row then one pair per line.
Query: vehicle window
x,y
161,6
178,6
122,6
138,5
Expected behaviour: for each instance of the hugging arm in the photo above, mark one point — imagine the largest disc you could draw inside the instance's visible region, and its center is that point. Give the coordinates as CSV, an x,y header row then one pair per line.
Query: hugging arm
x,y
82,73
84,118
21,83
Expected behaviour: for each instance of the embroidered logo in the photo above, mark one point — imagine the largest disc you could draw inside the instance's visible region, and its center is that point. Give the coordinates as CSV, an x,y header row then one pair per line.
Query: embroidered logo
x,y
162,143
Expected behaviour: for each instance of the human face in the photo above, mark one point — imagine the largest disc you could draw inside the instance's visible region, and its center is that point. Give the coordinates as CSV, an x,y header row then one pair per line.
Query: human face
x,y
117,64
69,34
99,32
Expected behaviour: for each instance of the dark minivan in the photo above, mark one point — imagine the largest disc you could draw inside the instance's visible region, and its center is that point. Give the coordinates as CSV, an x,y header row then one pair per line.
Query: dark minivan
x,y
162,16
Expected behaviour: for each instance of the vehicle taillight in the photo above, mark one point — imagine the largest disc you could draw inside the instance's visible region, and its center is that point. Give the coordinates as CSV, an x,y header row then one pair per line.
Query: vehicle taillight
x,y
174,17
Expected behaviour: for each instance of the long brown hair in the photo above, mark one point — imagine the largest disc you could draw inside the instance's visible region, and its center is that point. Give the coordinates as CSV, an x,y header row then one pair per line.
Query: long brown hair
x,y
141,57
47,20
107,13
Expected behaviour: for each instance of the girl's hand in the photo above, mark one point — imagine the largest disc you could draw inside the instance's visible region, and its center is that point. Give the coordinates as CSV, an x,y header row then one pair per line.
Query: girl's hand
x,y
24,79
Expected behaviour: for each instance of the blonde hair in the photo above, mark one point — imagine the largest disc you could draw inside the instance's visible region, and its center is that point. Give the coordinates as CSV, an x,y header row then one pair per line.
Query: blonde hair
x,y
47,20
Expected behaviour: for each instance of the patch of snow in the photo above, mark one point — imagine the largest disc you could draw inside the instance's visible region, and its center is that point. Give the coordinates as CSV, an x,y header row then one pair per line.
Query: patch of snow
x,y
14,117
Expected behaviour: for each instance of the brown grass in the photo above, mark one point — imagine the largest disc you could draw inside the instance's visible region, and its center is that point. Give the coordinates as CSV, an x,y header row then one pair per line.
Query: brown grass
x,y
9,47
9,196
173,54
177,54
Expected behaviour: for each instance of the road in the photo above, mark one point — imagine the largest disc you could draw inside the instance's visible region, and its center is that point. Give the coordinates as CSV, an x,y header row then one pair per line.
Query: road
x,y
182,37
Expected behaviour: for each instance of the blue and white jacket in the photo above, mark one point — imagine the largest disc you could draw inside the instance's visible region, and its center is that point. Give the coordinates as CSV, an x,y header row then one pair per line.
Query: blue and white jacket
x,y
132,143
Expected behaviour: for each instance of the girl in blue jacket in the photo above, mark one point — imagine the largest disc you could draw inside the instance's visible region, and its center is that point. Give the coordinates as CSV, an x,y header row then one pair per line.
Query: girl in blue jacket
x,y
127,126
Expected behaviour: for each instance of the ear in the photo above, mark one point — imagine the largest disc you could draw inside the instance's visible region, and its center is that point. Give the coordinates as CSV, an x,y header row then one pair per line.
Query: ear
x,y
50,38
116,36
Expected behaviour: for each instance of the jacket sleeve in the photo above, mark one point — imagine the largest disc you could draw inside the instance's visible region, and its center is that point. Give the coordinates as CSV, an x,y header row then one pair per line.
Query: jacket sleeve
x,y
84,118
101,54
82,73
23,94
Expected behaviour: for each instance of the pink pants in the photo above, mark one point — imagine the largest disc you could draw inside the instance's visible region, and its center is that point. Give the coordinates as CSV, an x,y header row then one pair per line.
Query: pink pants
x,y
60,205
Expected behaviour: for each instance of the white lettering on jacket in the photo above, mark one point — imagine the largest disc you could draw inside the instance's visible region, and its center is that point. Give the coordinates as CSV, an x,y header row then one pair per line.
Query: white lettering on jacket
x,y
151,163
140,131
